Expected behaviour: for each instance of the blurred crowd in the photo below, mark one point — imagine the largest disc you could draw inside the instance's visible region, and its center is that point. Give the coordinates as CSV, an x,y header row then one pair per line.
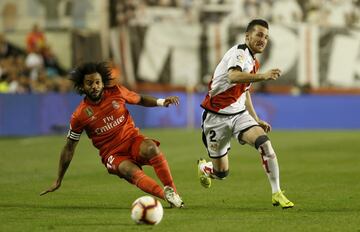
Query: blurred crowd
x,y
335,13
31,70
36,69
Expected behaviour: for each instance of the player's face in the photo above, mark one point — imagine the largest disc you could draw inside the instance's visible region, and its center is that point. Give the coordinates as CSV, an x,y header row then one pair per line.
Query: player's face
x,y
93,86
257,39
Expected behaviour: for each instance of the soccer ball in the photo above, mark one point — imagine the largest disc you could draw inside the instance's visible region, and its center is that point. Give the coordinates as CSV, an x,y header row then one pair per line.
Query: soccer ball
x,y
147,210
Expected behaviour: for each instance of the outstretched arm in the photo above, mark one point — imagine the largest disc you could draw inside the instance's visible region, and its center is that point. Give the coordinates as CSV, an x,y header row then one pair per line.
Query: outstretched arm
x,y
250,108
66,156
237,76
150,101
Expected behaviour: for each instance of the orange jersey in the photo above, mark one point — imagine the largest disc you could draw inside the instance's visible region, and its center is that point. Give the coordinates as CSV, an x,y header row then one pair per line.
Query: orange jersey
x,y
108,124
34,41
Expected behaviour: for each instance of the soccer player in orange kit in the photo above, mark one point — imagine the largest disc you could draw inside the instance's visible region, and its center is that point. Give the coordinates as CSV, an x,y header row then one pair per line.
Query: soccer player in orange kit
x,y
107,122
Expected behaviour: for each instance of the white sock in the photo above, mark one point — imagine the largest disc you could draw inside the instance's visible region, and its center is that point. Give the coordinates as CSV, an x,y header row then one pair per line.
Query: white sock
x,y
270,165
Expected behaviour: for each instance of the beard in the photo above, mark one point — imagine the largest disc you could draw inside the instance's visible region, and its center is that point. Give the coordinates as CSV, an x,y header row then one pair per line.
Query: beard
x,y
93,97
256,48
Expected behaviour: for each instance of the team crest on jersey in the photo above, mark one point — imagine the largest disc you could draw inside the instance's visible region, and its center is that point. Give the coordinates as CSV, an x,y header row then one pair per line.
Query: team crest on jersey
x,y
115,105
240,58
89,112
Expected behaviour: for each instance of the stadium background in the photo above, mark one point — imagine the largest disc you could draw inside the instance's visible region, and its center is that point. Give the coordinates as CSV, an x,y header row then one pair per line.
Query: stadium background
x,y
162,47
167,47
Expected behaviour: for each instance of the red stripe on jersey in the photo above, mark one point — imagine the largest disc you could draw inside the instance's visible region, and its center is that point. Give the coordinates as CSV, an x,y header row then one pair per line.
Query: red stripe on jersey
x,y
224,99
229,96
256,66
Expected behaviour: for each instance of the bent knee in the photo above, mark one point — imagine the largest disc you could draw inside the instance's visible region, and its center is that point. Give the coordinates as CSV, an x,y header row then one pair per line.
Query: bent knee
x,y
263,145
262,139
152,150
149,149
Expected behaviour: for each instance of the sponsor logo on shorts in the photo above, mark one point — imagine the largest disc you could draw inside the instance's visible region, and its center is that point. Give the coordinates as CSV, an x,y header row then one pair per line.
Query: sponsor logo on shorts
x,y
214,146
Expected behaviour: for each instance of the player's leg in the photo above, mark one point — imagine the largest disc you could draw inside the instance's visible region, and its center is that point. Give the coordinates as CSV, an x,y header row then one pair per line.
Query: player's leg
x,y
217,168
216,138
256,137
127,169
150,152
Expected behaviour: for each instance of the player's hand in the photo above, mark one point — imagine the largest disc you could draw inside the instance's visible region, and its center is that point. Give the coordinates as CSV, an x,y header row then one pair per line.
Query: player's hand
x,y
272,74
266,126
172,100
54,187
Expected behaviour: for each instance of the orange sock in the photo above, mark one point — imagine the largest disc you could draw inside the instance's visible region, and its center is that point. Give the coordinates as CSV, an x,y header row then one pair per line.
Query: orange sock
x,y
147,184
162,170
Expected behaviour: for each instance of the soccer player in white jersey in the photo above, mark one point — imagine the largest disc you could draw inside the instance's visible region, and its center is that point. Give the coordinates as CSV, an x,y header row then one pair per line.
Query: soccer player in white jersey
x,y
229,112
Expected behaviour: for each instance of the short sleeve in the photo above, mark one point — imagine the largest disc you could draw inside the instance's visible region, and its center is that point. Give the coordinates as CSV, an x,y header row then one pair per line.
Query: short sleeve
x,y
237,59
129,96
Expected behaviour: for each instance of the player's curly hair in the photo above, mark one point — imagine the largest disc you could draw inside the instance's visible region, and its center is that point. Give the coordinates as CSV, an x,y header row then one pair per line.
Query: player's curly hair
x,y
78,74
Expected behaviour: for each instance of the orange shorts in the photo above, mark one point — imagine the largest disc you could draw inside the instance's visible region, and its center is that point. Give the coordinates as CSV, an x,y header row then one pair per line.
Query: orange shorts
x,y
129,150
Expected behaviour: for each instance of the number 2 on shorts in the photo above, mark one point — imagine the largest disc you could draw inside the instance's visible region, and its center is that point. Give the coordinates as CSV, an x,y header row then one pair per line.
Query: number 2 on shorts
x,y
212,136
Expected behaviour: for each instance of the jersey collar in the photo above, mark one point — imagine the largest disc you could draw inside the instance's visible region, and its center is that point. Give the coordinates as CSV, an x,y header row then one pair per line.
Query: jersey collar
x,y
244,47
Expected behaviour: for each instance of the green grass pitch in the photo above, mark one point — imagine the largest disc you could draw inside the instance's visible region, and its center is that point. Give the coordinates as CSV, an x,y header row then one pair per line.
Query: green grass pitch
x,y
320,172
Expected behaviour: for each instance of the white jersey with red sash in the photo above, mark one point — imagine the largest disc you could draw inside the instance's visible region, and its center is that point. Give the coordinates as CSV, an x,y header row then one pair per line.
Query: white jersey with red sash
x,y
224,97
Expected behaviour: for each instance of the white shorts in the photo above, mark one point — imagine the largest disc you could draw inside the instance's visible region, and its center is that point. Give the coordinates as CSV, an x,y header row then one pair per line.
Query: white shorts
x,y
219,129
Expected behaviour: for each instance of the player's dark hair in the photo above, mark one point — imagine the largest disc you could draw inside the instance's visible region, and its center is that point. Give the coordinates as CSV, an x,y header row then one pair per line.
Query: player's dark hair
x,y
255,22
78,74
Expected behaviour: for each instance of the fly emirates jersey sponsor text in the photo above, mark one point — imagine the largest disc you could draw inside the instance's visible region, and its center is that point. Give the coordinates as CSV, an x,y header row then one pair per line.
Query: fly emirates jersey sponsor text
x,y
224,97
108,124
